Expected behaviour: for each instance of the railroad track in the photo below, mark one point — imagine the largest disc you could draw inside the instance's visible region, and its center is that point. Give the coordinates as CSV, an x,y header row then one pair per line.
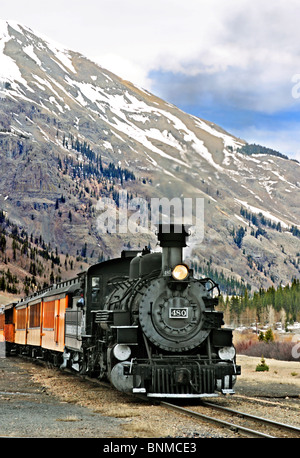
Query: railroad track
x,y
245,431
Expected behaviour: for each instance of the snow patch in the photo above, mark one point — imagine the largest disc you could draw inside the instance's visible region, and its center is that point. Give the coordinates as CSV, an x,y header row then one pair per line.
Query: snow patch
x,y
139,118
283,179
9,70
263,212
29,50
228,140
107,145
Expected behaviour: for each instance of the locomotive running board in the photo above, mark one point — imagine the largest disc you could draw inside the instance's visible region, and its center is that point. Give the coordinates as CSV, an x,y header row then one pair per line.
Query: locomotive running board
x,y
169,395
228,391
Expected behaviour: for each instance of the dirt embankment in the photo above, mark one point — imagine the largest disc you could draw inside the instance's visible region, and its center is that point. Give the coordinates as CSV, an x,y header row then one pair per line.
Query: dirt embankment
x,y
282,378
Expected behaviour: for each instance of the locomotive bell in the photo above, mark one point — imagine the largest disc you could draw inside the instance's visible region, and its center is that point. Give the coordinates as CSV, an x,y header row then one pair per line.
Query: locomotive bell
x,y
172,238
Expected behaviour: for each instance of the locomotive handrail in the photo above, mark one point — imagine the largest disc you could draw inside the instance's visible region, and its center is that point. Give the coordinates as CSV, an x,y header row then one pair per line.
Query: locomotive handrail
x,y
135,283
123,297
118,279
208,279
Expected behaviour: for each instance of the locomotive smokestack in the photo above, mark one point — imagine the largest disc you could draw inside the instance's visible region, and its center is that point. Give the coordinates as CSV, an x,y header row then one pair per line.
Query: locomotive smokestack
x,y
172,238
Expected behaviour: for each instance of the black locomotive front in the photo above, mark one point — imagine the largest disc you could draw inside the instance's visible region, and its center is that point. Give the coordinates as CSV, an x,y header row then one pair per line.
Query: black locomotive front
x,y
158,331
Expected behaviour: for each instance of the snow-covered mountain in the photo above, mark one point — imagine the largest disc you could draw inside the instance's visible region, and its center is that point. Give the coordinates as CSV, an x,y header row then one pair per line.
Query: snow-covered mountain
x,y
65,84
54,100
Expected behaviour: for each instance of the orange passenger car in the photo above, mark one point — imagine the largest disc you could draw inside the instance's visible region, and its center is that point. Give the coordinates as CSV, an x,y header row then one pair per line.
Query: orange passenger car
x,y
2,324
20,321
53,320
35,326
9,326
2,337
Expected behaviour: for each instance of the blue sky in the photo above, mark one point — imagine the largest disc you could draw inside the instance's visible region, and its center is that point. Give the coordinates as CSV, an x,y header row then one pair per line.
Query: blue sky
x,y
276,128
233,62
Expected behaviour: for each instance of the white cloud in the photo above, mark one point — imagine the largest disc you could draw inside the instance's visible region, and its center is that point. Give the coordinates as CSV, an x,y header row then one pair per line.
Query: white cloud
x,y
125,68
246,48
259,39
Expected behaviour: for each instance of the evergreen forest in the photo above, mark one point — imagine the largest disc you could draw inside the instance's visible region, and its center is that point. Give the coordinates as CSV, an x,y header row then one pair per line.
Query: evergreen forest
x,y
266,306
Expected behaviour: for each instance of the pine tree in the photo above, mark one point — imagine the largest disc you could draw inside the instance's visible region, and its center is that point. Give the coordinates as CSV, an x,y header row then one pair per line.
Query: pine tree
x,y
2,243
269,336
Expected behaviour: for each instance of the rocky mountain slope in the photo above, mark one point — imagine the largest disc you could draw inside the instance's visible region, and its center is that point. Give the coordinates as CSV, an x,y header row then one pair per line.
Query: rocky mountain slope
x,y
72,132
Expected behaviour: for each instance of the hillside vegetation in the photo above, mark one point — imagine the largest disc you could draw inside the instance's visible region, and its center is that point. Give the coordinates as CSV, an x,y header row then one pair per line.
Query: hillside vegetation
x,y
28,264
264,306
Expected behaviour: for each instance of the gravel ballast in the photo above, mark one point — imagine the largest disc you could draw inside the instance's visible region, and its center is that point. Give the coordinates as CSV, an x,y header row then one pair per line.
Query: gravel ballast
x,y
41,402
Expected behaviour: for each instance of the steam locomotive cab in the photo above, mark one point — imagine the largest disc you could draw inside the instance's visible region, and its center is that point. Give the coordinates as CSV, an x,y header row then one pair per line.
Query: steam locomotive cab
x,y
157,331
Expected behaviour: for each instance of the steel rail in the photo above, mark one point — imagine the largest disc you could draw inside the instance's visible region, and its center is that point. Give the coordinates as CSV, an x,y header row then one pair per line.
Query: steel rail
x,y
237,428
266,421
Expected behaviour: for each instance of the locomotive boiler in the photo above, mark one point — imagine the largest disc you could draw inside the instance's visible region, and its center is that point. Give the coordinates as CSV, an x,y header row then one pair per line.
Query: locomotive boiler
x,y
142,321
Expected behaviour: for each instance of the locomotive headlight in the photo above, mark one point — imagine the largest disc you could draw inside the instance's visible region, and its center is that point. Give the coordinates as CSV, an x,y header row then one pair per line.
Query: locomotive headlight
x,y
180,272
227,353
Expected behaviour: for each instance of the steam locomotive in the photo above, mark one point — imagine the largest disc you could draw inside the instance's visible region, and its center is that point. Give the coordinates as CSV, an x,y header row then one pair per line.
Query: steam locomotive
x,y
142,321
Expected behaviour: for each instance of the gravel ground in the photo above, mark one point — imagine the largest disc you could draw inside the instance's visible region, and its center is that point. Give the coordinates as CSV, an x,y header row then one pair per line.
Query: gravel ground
x,y
36,401
28,409
282,379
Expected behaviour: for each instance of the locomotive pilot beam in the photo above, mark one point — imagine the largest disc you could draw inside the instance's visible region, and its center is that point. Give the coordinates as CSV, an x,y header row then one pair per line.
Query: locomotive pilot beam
x,y
142,321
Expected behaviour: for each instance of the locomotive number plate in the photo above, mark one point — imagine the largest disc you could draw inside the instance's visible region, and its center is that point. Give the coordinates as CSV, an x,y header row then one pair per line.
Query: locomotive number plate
x,y
178,313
